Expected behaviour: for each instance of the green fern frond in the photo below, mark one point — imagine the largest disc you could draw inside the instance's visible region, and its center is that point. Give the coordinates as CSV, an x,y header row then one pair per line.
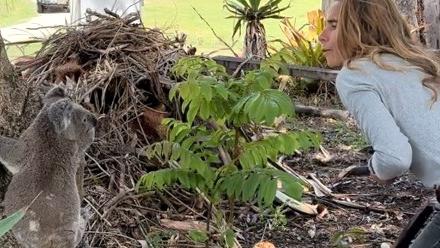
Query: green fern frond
x,y
257,153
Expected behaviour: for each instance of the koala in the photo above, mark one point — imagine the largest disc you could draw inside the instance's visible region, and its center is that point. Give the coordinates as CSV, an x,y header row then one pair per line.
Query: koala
x,y
12,151
7,146
47,160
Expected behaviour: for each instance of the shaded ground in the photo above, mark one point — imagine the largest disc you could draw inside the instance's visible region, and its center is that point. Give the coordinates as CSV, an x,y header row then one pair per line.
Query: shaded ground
x,y
401,199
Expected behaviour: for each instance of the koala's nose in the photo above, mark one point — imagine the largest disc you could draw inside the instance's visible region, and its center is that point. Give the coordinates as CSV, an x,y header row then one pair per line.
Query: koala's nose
x,y
93,120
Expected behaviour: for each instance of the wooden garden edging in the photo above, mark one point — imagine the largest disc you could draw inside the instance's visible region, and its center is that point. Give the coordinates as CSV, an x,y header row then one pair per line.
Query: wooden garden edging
x,y
232,63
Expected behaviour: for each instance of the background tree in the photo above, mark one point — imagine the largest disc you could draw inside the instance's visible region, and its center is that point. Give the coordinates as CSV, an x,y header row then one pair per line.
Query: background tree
x,y
7,86
19,104
411,10
252,12
326,4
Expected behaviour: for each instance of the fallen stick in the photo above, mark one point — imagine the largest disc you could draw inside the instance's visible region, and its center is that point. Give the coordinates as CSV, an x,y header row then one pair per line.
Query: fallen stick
x,y
322,112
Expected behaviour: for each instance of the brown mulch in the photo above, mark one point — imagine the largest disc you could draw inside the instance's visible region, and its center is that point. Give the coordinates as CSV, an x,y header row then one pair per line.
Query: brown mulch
x,y
401,199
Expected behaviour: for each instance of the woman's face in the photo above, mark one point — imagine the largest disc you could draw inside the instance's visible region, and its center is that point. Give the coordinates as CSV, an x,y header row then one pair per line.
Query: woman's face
x,y
329,35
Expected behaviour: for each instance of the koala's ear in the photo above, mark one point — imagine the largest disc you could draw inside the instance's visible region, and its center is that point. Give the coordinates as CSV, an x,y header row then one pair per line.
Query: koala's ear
x,y
60,114
54,94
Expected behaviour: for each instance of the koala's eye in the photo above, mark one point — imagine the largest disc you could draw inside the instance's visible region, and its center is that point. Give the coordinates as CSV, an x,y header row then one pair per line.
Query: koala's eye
x,y
84,119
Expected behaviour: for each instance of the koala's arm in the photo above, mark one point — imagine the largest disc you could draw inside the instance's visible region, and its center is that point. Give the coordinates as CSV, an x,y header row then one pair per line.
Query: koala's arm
x,y
80,176
6,156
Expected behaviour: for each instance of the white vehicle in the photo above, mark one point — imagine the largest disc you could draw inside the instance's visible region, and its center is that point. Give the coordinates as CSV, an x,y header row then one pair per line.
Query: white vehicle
x,y
44,5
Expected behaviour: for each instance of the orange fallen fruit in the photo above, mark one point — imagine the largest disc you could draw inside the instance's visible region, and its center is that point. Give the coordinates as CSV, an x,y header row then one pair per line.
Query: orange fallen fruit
x,y
264,244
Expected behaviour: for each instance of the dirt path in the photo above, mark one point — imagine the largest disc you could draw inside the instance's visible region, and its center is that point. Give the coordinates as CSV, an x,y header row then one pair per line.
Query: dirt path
x,y
34,28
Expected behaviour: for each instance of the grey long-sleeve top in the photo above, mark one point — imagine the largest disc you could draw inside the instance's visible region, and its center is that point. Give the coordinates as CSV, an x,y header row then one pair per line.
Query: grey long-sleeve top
x,y
393,109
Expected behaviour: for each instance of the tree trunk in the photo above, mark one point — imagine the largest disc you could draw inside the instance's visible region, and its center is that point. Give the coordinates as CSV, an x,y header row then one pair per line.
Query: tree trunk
x,y
255,44
326,4
431,14
19,101
410,9
9,106
7,86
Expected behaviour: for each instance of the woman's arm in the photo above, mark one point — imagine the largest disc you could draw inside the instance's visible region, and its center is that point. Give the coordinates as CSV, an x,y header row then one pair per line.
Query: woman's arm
x,y
392,152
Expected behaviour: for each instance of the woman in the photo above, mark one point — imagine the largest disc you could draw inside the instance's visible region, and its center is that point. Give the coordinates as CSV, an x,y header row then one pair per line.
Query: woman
x,y
390,85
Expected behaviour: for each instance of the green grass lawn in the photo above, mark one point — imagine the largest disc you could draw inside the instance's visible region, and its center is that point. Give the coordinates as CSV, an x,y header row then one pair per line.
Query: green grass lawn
x,y
18,51
173,16
178,15
16,11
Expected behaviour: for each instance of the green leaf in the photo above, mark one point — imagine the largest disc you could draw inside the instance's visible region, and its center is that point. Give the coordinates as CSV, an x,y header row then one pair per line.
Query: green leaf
x,y
206,92
9,222
259,115
293,189
172,93
272,111
229,237
246,161
184,90
264,80
244,3
198,236
250,186
267,192
205,110
193,110
237,27
177,129
184,179
232,185
221,90
255,4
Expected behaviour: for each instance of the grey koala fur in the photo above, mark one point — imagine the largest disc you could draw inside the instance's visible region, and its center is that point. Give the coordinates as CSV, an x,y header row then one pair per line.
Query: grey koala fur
x,y
7,153
48,159
13,151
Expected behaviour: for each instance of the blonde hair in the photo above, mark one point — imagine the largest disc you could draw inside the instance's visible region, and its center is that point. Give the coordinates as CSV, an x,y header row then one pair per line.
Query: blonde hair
x,y
368,28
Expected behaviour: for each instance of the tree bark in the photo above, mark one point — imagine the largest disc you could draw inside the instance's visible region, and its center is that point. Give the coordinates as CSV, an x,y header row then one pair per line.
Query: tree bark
x,y
410,10
326,4
255,44
431,14
7,86
19,101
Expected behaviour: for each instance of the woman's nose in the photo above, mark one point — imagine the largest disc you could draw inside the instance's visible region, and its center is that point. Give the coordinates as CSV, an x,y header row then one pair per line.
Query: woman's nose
x,y
322,37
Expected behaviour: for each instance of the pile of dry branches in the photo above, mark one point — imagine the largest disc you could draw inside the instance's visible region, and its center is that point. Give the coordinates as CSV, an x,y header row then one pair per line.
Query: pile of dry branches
x,y
120,70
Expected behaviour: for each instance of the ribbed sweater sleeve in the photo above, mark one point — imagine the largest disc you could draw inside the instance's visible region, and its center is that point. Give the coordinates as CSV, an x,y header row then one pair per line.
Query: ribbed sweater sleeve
x,y
392,151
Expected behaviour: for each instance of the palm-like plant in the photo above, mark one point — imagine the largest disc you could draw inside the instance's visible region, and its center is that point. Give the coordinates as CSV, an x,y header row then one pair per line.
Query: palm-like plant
x,y
252,12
